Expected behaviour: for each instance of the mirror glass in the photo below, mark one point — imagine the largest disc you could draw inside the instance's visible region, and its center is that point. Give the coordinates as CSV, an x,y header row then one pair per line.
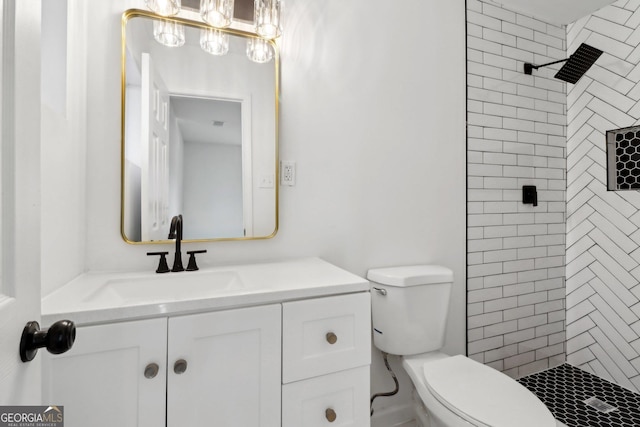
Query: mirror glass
x,y
199,136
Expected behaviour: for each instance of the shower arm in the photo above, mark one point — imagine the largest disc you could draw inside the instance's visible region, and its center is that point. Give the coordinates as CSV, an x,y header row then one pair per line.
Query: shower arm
x,y
528,67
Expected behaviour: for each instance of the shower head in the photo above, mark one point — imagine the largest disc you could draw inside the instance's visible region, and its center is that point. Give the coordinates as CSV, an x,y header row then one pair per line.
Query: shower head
x,y
576,65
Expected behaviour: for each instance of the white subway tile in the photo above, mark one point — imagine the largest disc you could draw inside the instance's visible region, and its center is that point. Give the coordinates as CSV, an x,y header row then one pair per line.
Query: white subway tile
x,y
499,159
484,319
500,328
500,255
498,12
515,266
519,360
481,144
501,231
484,295
518,124
532,321
534,298
500,280
500,134
484,269
517,30
517,242
500,207
485,344
484,245
482,45
483,20
496,182
518,289
501,353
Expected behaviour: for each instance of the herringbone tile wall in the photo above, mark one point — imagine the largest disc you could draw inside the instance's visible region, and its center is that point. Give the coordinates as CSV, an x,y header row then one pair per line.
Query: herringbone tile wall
x,y
603,227
517,136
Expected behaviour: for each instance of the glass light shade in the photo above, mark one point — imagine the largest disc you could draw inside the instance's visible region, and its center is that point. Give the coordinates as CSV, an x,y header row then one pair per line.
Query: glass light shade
x,y
164,7
259,50
214,41
267,15
168,33
217,13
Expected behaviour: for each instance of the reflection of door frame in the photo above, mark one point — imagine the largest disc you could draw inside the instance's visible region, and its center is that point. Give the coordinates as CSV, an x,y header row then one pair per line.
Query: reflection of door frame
x,y
246,143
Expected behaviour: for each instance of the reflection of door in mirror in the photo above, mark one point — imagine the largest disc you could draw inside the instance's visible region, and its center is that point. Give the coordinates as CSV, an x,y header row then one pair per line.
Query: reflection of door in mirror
x,y
154,197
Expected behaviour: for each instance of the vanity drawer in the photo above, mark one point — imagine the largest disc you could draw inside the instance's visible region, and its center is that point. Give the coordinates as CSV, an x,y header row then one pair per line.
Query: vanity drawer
x,y
339,399
325,335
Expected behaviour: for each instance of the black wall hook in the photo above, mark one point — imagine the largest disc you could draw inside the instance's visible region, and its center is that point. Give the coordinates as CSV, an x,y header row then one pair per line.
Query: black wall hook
x,y
57,339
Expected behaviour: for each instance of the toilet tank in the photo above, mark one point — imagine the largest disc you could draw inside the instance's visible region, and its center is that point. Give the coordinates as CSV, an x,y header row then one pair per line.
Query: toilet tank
x,y
409,307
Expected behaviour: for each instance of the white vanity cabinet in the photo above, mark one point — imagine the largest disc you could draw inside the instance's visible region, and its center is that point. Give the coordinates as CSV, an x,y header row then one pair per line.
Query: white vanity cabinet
x,y
219,368
275,344
326,353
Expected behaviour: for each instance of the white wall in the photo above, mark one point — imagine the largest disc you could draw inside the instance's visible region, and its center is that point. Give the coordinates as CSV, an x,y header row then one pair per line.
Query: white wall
x,y
603,227
372,111
63,154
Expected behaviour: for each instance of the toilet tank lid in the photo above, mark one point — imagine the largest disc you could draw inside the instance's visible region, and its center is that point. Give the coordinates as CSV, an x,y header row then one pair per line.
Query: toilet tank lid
x,y
410,275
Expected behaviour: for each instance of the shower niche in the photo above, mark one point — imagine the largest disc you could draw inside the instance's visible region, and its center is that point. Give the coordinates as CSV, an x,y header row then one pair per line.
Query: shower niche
x,y
623,159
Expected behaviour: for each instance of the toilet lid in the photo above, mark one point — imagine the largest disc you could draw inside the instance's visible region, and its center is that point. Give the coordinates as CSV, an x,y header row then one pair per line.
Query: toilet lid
x,y
484,396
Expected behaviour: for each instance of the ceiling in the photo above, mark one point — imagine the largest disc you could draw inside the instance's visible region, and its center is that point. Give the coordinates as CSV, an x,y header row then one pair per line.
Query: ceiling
x,y
555,11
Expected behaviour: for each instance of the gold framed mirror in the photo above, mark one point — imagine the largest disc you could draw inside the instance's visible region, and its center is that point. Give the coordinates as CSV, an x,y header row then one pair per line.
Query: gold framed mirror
x,y
199,131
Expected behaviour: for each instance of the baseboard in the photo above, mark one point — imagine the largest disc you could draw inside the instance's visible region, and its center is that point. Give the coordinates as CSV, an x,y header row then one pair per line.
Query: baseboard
x,y
392,416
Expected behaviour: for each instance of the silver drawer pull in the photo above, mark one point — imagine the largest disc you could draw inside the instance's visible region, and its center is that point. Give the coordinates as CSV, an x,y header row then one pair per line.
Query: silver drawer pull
x,y
151,370
180,366
381,291
332,338
330,414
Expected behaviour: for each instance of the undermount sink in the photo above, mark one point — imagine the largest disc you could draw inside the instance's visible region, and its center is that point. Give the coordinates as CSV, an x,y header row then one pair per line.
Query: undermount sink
x,y
169,287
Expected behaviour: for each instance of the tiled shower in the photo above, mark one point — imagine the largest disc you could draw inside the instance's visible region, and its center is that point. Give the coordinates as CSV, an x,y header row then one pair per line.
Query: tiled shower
x,y
516,137
536,130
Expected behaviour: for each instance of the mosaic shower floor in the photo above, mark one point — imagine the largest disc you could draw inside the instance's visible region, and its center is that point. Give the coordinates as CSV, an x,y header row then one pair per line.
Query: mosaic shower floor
x,y
565,389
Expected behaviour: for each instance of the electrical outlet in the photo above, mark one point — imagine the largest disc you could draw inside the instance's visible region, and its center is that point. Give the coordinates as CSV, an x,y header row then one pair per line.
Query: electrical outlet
x,y
288,173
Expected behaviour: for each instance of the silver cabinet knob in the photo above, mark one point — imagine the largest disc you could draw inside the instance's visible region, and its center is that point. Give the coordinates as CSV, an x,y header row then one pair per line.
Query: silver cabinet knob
x,y
330,414
332,338
151,370
180,366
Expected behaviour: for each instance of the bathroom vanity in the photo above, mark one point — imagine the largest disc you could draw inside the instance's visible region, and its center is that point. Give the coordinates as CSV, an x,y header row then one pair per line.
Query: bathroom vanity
x,y
262,345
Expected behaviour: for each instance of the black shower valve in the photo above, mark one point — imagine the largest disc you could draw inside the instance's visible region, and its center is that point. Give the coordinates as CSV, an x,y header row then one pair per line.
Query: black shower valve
x,y
529,195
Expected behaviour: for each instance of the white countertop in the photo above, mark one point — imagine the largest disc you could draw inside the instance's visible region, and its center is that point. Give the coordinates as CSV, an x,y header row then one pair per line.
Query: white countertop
x,y
85,301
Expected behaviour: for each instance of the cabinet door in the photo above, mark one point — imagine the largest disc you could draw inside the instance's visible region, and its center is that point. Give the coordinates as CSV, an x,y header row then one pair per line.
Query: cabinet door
x,y
101,381
230,369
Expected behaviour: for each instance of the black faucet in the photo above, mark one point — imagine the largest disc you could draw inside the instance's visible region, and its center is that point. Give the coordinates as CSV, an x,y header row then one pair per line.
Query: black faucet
x,y
175,232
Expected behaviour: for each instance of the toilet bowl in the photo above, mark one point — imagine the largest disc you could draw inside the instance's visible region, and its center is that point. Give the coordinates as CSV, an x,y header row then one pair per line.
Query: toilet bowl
x,y
458,391
409,312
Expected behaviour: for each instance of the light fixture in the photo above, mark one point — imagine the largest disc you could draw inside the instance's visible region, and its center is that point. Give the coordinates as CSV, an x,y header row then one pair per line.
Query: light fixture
x,y
164,7
217,13
168,33
267,15
259,50
214,41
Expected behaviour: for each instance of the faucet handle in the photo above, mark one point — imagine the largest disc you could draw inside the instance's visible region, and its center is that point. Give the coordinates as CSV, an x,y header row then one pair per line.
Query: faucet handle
x,y
192,266
163,267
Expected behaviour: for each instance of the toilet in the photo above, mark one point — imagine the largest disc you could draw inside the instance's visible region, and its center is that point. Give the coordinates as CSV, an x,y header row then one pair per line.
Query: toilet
x,y
409,308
